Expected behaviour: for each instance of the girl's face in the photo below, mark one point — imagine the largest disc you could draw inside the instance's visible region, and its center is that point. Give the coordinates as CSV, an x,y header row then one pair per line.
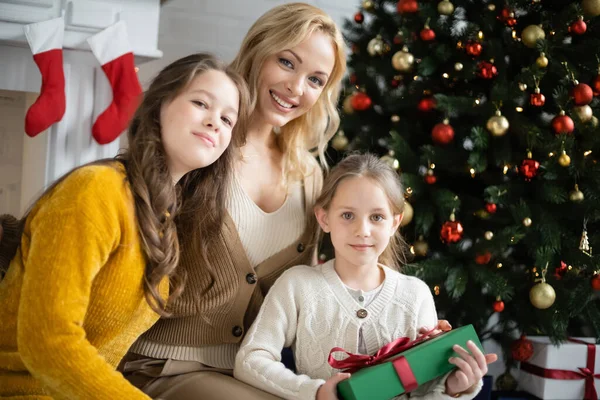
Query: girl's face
x,y
196,125
359,220
291,81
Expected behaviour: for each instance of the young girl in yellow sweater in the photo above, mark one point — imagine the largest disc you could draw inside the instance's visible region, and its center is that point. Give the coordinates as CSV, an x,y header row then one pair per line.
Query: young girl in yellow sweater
x,y
99,248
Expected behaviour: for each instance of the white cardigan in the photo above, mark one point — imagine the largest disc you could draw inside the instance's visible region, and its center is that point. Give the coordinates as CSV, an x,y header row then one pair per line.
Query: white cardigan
x,y
309,309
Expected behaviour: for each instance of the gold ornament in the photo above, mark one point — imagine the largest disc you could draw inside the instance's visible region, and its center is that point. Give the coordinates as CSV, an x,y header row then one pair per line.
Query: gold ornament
x,y
395,118
542,295
407,214
591,8
421,247
576,195
445,7
584,113
376,46
498,124
542,61
527,222
340,141
458,66
506,382
564,160
584,243
531,35
489,235
403,60
522,86
491,7
368,5
347,106
390,160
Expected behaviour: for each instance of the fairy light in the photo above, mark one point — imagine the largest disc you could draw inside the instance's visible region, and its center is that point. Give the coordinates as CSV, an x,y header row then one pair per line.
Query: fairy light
x,y
412,250
477,102
499,265
445,75
519,109
436,290
551,154
472,171
505,169
587,153
480,35
432,166
514,34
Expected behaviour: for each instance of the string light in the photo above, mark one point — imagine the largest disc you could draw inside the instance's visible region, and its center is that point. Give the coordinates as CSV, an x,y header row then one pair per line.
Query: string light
x,y
587,153
551,154
445,75
477,101
412,250
472,171
432,166
519,109
480,35
505,169
436,290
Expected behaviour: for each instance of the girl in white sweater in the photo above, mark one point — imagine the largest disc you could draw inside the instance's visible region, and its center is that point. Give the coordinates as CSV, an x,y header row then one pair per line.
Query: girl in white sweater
x,y
357,301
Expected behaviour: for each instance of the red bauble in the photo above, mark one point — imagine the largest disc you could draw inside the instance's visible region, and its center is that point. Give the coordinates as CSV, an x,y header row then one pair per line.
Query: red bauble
x,y
487,70
511,22
498,306
491,208
578,27
537,99
451,232
596,282
427,35
398,39
563,124
353,79
442,133
395,82
360,101
430,179
483,258
407,6
596,85
359,17
582,94
521,349
559,272
506,14
473,48
529,168
426,104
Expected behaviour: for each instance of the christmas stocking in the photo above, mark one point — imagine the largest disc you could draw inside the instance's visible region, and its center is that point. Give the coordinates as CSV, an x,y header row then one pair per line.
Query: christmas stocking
x,y
45,40
112,50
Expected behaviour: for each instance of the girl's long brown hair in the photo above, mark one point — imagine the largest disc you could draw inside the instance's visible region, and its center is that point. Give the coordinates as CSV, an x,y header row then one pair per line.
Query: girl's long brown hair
x,y
198,198
371,167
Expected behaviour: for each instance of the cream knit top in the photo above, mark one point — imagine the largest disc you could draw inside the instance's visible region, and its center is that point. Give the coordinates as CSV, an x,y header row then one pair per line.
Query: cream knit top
x,y
311,310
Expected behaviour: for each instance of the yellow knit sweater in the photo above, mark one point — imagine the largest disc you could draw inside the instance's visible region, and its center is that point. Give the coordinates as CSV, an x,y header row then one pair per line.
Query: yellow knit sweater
x,y
72,301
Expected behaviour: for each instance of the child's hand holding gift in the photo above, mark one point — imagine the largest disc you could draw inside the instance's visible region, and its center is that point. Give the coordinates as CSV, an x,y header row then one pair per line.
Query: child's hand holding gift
x,y
470,369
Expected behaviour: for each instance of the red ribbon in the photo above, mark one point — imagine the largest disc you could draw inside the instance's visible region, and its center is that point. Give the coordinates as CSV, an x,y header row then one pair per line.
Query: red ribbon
x,y
355,362
586,373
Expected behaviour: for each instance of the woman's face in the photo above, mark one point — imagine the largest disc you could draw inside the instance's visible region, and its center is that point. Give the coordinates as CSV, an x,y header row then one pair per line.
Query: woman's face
x,y
291,81
196,125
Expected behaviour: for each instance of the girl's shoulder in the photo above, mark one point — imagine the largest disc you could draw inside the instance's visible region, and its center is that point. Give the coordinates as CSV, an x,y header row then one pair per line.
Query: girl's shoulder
x,y
408,283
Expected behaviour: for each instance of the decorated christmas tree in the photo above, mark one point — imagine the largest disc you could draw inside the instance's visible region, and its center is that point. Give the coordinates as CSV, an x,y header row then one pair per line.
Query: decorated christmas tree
x,y
489,111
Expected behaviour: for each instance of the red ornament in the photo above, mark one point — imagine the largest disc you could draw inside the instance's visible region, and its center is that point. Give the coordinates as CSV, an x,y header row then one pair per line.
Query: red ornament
x,y
359,17
430,179
508,17
521,349
537,99
491,208
442,133
487,70
399,38
395,82
529,169
559,272
426,104
473,48
596,282
596,85
563,124
582,94
360,101
451,232
578,27
483,258
353,79
407,6
511,22
427,34
498,306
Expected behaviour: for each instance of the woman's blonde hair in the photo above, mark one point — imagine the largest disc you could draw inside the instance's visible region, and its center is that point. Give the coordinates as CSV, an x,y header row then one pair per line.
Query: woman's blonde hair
x,y
281,28
371,167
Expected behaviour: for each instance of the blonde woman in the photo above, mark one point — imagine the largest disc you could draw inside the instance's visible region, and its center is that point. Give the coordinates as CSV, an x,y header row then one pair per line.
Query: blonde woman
x,y
293,59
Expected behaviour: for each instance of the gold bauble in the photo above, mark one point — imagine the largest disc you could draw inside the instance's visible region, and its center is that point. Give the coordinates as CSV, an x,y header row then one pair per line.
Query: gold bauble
x,y
491,7
421,247
340,141
445,7
403,61
564,160
498,124
527,222
368,5
542,61
489,235
531,35
584,113
591,8
576,195
347,105
458,66
542,295
391,161
506,382
407,214
375,46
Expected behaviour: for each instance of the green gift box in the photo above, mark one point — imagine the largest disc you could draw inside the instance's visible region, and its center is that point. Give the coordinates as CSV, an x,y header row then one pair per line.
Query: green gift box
x,y
421,363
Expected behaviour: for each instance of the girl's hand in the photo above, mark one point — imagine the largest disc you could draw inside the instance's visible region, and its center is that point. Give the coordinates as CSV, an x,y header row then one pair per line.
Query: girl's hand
x,y
470,368
329,389
442,326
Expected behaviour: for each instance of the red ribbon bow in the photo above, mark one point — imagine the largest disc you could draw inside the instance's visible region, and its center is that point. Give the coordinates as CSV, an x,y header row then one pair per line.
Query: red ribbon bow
x,y
586,373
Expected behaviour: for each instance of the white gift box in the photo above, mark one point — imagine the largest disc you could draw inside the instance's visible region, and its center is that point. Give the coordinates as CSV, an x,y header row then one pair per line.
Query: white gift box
x,y
568,356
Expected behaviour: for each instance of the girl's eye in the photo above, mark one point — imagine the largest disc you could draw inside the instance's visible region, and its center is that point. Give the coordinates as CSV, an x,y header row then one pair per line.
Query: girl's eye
x,y
316,81
227,121
377,218
347,215
200,103
286,62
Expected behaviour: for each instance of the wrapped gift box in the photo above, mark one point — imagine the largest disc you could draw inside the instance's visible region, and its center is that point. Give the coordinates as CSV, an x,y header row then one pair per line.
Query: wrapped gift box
x,y
570,358
426,359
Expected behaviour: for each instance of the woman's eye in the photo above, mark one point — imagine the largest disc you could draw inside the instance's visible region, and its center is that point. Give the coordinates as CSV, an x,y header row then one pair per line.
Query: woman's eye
x,y
347,215
316,81
286,62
